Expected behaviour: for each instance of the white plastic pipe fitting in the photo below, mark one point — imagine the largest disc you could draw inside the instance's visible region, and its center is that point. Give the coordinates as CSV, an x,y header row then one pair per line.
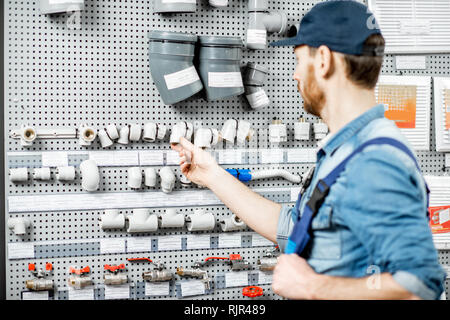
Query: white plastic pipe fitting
x,y
244,132
142,221
19,225
277,132
134,177
153,132
123,135
27,135
171,219
218,3
167,179
274,173
104,138
86,135
228,131
200,221
206,137
65,173
112,132
320,130
181,129
112,219
302,129
185,182
41,174
90,175
18,174
135,132
150,177
232,223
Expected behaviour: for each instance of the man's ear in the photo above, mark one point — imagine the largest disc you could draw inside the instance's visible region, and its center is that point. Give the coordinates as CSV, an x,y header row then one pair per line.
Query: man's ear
x,y
325,62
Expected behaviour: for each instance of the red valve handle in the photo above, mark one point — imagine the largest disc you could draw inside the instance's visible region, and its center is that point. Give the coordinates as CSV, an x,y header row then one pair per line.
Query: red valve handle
x,y
79,271
114,268
48,266
252,291
231,257
31,267
139,259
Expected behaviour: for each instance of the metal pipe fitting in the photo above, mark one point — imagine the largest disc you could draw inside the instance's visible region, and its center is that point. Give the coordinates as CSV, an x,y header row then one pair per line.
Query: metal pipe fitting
x,y
86,135
112,219
27,135
167,179
267,263
200,221
18,174
90,175
134,177
78,282
196,273
150,177
39,284
301,129
171,219
142,221
42,174
232,223
157,275
19,225
115,279
65,173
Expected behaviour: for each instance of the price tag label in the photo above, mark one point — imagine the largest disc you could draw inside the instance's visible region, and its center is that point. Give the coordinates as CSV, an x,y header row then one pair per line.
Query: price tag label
x,y
35,295
230,240
139,244
157,288
19,250
121,291
81,294
192,288
236,279
55,159
167,243
202,241
112,245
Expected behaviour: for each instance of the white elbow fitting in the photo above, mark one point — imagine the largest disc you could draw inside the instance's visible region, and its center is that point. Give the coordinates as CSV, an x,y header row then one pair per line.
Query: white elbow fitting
x,y
244,132
112,219
135,132
65,173
228,131
142,221
167,179
200,221
90,175
181,129
301,129
27,135
171,219
320,130
277,132
218,3
150,177
134,177
112,132
41,174
123,135
206,137
86,135
18,174
153,132
19,225
104,138
232,223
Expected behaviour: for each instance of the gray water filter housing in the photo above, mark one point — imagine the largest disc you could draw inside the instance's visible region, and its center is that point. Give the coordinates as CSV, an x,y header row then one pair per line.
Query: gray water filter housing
x,y
168,6
254,78
171,57
60,6
219,66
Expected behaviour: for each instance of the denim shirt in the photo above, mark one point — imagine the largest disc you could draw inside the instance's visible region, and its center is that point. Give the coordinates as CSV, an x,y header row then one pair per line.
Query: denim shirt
x,y
374,217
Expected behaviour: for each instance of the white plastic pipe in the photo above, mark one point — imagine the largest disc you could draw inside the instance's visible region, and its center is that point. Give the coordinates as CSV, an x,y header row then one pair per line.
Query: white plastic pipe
x,y
150,177
90,175
27,135
171,219
181,129
123,135
232,223
274,173
19,225
112,132
65,173
112,219
105,141
142,221
41,174
135,132
167,179
200,221
153,132
134,177
206,137
86,135
18,174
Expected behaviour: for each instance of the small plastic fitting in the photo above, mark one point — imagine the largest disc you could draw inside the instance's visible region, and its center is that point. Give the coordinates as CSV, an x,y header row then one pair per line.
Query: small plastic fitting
x,y
90,175
112,219
104,138
181,129
135,132
142,221
112,132
200,221
320,130
232,223
134,177
153,132
206,137
261,22
19,225
167,179
150,177
171,219
42,174
302,129
39,284
18,174
65,173
244,132
27,135
277,131
86,135
254,78
123,135
218,3
115,279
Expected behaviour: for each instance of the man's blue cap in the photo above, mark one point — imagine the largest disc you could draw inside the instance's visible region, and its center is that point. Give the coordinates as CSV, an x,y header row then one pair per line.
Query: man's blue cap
x,y
341,25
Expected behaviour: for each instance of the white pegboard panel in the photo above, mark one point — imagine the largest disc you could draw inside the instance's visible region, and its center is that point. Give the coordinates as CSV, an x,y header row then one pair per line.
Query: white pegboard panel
x,y
58,74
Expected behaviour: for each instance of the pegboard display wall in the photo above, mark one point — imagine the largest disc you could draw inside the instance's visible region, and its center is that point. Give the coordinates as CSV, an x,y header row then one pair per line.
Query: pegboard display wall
x,y
92,67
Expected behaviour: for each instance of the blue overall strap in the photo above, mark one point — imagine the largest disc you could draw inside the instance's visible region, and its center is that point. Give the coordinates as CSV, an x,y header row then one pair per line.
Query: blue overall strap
x,y
300,235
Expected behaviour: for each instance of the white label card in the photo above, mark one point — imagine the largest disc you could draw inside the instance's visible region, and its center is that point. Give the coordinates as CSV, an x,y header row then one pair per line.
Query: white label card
x,y
265,277
55,159
201,241
225,79
300,156
230,240
35,295
230,156
121,291
258,99
173,157
166,243
181,78
236,279
19,250
410,62
115,158
415,27
139,244
151,158
447,160
272,156
81,294
192,288
260,241
112,245
157,288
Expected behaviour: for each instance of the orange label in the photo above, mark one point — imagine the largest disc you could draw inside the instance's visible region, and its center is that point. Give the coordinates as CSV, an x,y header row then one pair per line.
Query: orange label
x,y
401,104
447,109
439,219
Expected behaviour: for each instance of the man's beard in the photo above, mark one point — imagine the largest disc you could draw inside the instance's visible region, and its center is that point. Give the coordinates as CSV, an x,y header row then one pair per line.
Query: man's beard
x,y
313,97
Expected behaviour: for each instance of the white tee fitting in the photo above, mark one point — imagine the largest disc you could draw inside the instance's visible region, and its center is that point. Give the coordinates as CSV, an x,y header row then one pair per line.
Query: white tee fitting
x,y
135,132
18,174
181,129
200,221
90,175
167,179
150,177
320,130
244,132
153,132
171,219
302,129
134,177
206,137
86,135
19,225
228,131
123,135
142,221
277,132
112,132
232,223
218,3
105,140
42,174
112,219
65,173
27,135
